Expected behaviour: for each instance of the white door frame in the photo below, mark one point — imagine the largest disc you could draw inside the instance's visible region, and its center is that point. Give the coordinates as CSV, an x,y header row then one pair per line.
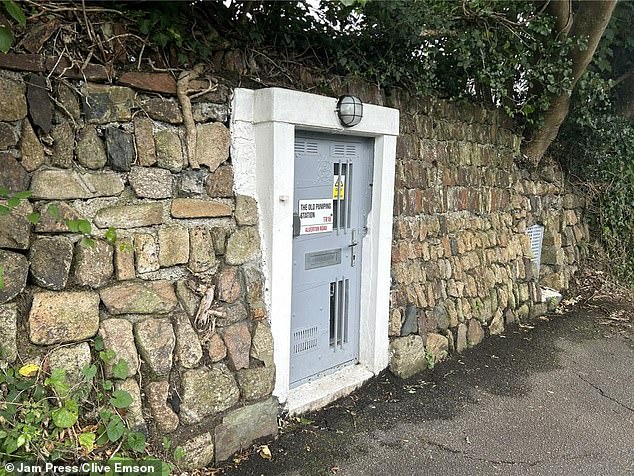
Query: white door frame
x,y
263,125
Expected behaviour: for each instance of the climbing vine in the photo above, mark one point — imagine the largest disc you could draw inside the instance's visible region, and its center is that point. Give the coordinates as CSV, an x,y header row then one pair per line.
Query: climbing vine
x,y
48,416
596,144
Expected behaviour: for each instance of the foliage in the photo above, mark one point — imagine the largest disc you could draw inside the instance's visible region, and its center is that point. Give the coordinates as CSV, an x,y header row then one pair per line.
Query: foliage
x,y
501,52
46,417
13,200
430,360
597,92
596,144
81,225
601,153
6,30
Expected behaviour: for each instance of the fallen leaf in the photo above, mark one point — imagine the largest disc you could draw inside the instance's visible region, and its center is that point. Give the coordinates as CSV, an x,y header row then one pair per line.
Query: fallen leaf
x,y
29,370
265,452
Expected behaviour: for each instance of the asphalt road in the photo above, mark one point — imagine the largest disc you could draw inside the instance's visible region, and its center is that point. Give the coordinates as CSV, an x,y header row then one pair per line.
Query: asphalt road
x,y
554,400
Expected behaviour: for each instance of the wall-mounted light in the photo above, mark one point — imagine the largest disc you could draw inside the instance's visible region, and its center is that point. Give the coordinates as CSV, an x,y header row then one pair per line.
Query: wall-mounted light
x,y
349,110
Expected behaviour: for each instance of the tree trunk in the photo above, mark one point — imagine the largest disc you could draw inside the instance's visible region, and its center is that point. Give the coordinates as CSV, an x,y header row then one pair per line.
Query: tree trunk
x,y
589,22
562,11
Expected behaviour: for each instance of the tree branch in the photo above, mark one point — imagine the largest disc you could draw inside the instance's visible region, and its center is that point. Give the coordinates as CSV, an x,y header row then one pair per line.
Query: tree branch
x,y
589,23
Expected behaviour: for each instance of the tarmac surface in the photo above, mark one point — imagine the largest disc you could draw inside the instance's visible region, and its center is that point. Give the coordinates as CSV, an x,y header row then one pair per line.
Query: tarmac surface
x,y
556,399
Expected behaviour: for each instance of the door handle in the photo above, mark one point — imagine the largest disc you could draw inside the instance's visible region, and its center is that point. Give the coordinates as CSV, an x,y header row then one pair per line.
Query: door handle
x,y
353,243
353,239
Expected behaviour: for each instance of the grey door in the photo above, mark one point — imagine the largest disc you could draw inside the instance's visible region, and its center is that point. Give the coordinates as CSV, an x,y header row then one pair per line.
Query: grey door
x,y
332,199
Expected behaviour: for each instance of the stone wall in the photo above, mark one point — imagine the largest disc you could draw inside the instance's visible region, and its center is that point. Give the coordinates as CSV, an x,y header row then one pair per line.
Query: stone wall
x,y
116,156
461,260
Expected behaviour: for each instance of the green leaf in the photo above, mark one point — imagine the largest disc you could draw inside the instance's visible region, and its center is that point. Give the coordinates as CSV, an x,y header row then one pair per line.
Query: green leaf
x,y
15,11
107,356
57,381
105,415
4,192
120,369
99,343
179,453
87,242
1,277
34,218
136,441
73,225
13,202
87,441
144,26
111,235
89,372
66,416
84,226
121,399
107,385
6,39
115,429
103,437
4,210
10,445
53,210
304,421
23,195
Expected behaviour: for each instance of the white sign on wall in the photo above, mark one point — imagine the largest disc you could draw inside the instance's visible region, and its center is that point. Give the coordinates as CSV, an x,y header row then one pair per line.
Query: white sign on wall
x,y
315,216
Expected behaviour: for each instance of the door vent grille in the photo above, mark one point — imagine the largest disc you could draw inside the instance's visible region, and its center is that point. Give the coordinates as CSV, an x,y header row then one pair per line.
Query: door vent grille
x,y
304,340
306,147
339,306
344,150
536,235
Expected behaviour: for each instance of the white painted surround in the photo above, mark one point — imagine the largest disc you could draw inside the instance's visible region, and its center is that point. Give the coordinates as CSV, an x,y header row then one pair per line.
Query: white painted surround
x,y
263,125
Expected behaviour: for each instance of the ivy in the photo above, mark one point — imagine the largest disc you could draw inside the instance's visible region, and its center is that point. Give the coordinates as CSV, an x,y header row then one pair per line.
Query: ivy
x,y
500,52
66,416
46,417
136,441
120,369
596,144
81,226
120,399
600,151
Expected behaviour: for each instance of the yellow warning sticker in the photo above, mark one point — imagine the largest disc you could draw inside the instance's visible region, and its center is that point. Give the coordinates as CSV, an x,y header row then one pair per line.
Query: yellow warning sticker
x,y
339,187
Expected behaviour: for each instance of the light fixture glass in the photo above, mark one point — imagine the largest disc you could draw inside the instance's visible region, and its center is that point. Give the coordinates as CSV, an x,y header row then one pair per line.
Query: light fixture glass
x,y
349,110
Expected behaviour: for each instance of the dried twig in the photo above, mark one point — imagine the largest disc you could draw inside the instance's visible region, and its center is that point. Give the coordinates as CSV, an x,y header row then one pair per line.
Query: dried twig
x,y
47,9
63,108
201,320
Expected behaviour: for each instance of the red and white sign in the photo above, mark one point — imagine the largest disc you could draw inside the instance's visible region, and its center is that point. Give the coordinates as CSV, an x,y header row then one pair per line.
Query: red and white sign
x,y
315,216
